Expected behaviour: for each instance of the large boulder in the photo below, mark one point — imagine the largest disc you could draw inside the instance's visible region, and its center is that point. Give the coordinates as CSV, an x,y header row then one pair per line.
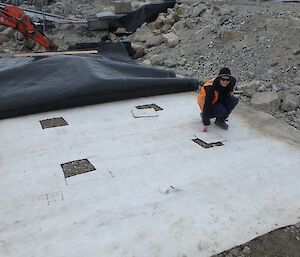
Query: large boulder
x,y
198,10
157,60
265,101
248,88
171,39
155,41
291,102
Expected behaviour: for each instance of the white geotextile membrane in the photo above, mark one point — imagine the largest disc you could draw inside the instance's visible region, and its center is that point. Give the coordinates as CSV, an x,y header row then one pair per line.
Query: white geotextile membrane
x,y
154,192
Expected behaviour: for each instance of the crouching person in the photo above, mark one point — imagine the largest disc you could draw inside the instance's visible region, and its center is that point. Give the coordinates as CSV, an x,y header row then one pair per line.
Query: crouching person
x,y
216,99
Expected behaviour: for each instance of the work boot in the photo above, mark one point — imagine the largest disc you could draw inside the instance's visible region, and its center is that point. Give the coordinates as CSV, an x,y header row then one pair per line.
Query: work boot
x,y
221,123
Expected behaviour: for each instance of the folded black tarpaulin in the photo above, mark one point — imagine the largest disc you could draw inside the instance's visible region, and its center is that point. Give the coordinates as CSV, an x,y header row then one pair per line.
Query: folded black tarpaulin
x,y
147,13
67,81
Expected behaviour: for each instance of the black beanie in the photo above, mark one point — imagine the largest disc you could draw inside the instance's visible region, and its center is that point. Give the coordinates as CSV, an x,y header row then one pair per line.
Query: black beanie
x,y
224,72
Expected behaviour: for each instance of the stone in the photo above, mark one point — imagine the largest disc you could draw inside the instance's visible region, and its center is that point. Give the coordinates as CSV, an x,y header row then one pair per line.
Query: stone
x,y
30,44
261,88
122,7
157,60
203,32
171,39
142,36
139,51
265,101
248,88
158,23
184,10
169,63
291,102
228,35
297,81
246,250
181,61
147,62
18,36
155,41
165,28
297,89
198,10
9,32
296,52
112,37
275,88
170,20
3,39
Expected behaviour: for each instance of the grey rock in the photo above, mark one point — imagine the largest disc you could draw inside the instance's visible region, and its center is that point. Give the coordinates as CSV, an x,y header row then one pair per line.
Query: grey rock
x,y
171,39
170,63
246,250
203,32
157,60
265,101
198,10
165,28
170,20
297,89
297,81
182,61
139,50
291,102
155,41
275,88
9,32
158,23
142,35
248,88
184,10
30,44
178,25
261,88
3,39
228,35
296,52
147,62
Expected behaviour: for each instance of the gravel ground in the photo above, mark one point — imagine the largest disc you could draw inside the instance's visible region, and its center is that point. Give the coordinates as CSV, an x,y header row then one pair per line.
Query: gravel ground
x,y
284,242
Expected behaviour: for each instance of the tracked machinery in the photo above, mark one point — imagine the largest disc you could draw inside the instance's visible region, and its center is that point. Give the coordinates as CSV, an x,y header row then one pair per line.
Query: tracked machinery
x,y
14,17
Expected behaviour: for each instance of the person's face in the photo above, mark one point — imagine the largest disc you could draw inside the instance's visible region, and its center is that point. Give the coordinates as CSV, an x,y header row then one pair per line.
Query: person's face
x,y
224,81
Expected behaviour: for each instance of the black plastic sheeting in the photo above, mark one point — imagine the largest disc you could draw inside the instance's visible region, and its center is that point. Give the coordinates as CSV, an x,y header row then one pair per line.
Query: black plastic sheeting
x,y
146,13
68,81
108,48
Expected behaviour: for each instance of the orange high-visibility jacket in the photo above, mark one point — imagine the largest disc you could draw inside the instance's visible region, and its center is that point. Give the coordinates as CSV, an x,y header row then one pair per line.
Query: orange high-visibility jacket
x,y
202,95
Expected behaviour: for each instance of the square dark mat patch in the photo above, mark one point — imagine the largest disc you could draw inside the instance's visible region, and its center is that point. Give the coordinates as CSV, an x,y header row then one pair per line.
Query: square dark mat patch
x,y
148,106
52,123
74,168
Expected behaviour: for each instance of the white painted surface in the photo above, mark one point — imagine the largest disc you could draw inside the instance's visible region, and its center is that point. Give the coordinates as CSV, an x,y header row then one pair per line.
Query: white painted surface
x,y
223,196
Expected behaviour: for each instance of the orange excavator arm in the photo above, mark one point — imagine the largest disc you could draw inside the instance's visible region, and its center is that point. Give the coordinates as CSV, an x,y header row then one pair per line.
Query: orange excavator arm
x,y
15,17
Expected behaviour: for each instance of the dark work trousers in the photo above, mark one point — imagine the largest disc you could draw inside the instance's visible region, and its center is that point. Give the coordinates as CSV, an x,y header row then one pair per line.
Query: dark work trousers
x,y
221,110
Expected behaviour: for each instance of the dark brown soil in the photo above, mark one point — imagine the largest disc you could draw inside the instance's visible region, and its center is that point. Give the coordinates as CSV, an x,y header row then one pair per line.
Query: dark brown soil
x,y
284,242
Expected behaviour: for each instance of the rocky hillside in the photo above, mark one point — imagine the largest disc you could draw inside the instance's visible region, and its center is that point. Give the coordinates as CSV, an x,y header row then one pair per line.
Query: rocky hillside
x,y
258,40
